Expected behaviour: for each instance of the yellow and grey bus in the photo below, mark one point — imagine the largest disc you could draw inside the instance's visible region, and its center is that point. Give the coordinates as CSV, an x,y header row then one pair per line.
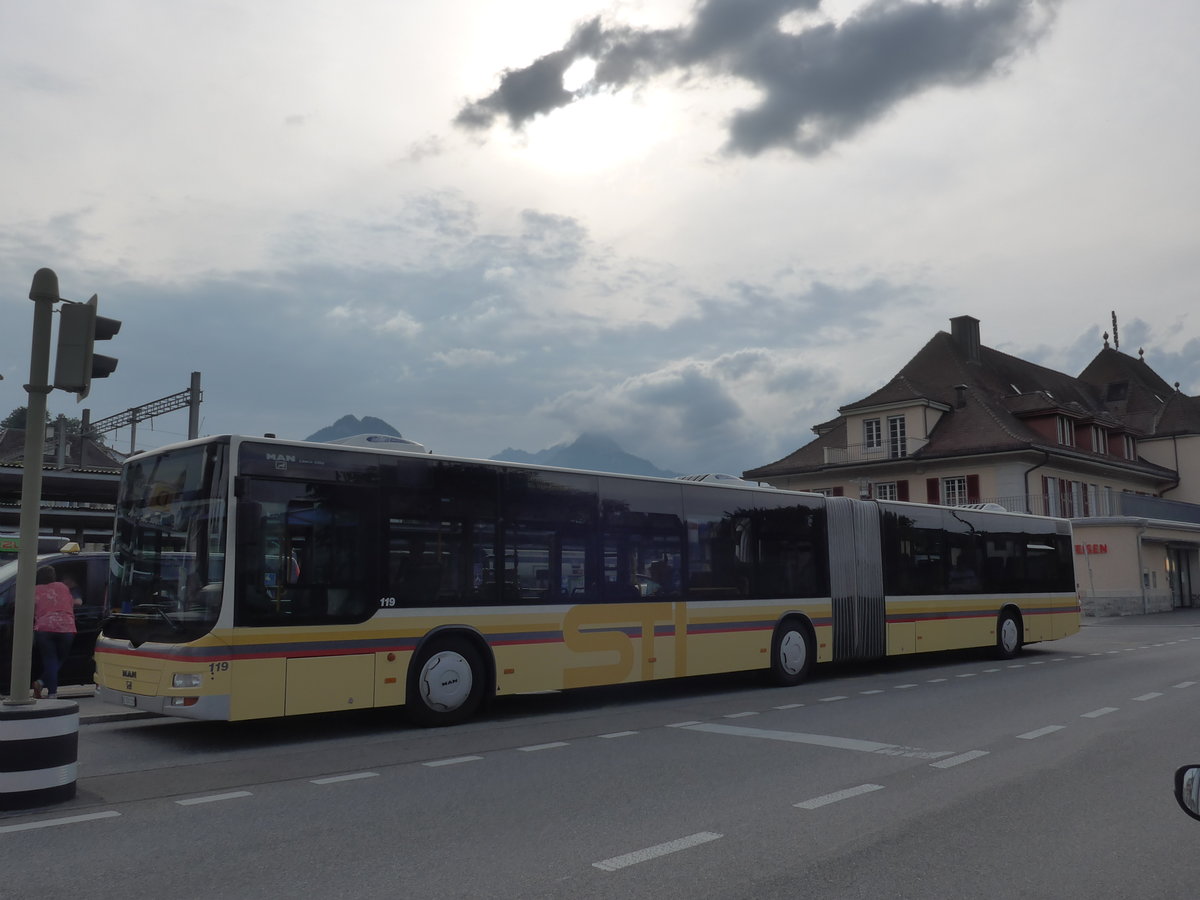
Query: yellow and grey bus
x,y
254,577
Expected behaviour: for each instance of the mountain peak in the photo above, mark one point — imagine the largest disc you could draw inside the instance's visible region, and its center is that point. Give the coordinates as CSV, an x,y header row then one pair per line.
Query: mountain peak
x,y
348,426
590,450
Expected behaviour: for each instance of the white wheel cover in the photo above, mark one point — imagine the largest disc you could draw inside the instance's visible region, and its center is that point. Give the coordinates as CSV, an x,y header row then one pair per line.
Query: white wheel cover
x,y
445,681
793,653
1008,635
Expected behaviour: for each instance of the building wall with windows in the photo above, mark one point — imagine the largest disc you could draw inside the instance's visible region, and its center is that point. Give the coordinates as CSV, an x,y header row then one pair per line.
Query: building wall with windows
x,y
964,423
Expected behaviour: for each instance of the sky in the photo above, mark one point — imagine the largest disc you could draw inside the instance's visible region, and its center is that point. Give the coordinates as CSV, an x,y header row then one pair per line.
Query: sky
x,y
697,228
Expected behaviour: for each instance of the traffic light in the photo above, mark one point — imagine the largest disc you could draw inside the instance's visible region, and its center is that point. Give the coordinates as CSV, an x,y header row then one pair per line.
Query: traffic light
x,y
75,365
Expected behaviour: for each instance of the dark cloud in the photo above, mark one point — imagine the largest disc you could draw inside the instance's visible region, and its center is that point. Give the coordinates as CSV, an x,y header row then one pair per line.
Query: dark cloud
x,y
818,85
468,339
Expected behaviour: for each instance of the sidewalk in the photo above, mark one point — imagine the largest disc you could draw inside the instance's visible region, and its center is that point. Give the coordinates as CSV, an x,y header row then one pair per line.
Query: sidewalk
x,y
1188,617
92,711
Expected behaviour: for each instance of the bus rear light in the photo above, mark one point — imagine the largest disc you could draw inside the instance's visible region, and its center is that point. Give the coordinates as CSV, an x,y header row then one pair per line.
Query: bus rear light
x,y
185,680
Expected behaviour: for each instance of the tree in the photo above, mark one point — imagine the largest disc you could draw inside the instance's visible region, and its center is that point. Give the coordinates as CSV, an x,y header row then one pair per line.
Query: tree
x,y
18,417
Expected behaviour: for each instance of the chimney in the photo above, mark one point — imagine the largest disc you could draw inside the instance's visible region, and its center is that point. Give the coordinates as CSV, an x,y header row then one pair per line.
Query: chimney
x,y
965,331
960,399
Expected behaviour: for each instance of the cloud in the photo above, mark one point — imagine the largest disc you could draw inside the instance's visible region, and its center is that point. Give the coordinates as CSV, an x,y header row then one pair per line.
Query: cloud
x,y
818,83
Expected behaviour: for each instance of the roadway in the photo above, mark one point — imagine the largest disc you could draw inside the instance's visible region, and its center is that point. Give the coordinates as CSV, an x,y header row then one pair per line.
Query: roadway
x,y
947,776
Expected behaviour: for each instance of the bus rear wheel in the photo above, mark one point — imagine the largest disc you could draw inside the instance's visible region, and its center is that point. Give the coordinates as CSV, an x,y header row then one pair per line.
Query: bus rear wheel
x,y
792,653
448,683
1008,635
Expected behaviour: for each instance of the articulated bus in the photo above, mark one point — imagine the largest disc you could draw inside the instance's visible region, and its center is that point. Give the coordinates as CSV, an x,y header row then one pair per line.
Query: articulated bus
x,y
254,577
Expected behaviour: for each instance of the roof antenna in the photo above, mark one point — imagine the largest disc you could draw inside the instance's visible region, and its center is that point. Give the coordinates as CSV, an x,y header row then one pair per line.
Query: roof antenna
x,y
1116,340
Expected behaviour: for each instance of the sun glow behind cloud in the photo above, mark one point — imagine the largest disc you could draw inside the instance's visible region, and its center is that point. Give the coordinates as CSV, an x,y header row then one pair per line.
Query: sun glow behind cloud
x,y
602,132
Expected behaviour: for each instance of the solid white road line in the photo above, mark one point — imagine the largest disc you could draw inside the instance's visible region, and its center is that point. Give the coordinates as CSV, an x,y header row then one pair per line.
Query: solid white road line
x,y
959,760
817,802
50,823
640,856
822,740
1049,729
334,779
451,762
214,798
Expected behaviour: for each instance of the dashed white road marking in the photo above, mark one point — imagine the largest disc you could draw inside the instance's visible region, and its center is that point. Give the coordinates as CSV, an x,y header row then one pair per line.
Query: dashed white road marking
x,y
618,734
1183,684
454,761
639,856
533,748
334,779
214,798
1049,729
685,724
838,796
739,715
832,699
50,823
1097,713
1153,695
791,705
959,760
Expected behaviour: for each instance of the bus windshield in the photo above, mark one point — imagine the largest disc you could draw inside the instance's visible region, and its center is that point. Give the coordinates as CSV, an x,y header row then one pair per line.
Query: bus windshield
x,y
168,551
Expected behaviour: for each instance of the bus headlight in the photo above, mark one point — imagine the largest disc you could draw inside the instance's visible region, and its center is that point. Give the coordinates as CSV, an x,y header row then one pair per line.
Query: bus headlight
x,y
185,681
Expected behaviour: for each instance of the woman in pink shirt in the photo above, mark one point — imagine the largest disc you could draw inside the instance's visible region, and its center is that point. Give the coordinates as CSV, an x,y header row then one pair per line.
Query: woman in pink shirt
x,y
53,627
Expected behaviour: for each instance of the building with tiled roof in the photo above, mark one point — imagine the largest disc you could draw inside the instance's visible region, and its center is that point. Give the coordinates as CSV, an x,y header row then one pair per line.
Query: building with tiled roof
x,y
964,423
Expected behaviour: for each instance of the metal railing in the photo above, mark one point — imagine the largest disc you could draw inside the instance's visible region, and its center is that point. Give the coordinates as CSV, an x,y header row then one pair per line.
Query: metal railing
x,y
857,453
1102,505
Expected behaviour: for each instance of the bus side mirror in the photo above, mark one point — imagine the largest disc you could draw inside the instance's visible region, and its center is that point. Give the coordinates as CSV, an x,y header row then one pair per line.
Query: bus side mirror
x,y
1187,790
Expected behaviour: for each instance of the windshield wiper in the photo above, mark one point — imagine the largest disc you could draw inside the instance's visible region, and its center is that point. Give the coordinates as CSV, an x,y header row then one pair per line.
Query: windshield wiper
x,y
142,607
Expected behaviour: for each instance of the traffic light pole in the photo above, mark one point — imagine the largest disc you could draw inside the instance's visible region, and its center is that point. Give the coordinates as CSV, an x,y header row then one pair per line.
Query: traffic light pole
x,y
44,294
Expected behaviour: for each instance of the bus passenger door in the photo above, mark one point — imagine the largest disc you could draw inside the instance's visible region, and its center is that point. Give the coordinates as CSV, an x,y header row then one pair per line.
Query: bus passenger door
x,y
856,579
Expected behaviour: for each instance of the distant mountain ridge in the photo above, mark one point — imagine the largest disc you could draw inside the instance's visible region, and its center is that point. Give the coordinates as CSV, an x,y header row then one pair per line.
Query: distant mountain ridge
x,y
588,451
348,426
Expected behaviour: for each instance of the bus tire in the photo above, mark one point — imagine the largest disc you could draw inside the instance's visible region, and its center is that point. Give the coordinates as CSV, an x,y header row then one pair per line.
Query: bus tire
x,y
447,683
1008,635
793,652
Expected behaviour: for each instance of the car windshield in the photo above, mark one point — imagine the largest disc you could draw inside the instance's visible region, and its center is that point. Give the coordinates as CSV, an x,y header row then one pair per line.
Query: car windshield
x,y
168,553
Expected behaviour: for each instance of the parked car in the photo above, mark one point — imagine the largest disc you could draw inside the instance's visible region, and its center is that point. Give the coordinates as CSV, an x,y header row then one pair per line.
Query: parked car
x,y
90,571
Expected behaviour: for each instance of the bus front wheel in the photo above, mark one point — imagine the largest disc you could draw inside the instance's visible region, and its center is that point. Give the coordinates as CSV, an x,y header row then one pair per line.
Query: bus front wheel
x,y
447,687
1008,635
792,653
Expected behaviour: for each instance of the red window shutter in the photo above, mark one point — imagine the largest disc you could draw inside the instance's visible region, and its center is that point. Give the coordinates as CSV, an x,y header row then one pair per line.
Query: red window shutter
x,y
901,490
972,488
932,494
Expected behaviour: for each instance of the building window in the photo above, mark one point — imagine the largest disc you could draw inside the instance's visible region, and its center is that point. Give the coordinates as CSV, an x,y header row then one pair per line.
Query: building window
x,y
884,490
1066,431
897,437
1099,440
954,491
872,434
1130,447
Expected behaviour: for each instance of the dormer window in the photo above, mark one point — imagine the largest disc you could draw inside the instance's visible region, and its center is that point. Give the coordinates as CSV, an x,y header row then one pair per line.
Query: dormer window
x,y
1099,440
1130,447
1066,431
